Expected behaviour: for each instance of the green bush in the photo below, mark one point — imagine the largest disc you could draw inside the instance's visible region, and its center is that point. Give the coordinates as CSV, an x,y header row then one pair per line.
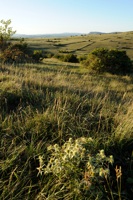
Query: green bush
x,y
20,53
37,55
81,58
17,53
58,56
67,58
70,58
47,54
112,61
21,46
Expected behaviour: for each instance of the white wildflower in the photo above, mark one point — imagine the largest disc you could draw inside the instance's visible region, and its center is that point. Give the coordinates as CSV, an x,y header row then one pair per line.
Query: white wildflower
x,y
102,154
111,159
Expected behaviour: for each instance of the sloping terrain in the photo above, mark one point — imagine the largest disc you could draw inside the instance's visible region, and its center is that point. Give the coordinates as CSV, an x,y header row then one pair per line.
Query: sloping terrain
x,y
85,43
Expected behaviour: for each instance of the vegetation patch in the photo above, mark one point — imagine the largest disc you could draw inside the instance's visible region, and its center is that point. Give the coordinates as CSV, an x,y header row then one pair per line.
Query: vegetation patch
x,y
112,61
67,58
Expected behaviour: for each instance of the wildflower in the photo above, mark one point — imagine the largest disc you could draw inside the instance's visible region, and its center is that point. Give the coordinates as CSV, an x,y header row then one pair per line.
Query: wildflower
x,y
50,147
65,158
111,159
41,160
56,147
101,172
104,172
70,140
56,162
89,139
40,170
102,154
83,140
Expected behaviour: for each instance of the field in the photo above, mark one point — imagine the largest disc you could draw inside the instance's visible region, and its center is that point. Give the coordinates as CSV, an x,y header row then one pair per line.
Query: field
x,y
57,103
84,44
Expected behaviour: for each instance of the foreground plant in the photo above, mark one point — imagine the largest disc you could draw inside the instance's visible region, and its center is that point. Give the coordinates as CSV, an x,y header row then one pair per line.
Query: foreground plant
x,y
74,167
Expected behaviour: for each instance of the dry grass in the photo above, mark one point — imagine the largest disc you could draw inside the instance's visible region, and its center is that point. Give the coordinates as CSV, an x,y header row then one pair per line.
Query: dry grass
x,y
85,44
42,104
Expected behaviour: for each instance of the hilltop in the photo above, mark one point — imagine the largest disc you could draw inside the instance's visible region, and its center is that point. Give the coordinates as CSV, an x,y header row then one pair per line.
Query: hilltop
x,y
46,35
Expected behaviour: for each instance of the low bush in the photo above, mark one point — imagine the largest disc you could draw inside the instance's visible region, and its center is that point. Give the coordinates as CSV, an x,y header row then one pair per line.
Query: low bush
x,y
17,53
67,58
70,58
37,55
113,61
82,58
20,53
48,54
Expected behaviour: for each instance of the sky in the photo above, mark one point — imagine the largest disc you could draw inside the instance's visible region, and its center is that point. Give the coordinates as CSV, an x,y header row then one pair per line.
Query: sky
x,y
63,16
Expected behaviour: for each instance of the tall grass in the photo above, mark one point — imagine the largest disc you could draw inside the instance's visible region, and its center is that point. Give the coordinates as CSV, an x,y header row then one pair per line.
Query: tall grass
x,y
46,104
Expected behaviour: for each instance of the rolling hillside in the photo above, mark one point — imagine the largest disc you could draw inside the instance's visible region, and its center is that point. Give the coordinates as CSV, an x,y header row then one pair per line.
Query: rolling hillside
x,y
83,44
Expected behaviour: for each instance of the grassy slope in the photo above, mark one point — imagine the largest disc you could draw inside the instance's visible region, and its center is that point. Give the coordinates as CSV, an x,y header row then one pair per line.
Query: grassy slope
x,y
48,103
84,44
42,104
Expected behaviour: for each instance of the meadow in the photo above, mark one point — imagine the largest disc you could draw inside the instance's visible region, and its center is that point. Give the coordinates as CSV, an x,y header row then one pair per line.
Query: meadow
x,y
83,44
52,109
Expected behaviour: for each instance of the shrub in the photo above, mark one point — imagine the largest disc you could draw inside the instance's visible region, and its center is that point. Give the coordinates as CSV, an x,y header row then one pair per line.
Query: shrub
x,y
21,46
58,56
17,53
67,58
70,58
47,54
112,61
81,58
37,55
20,53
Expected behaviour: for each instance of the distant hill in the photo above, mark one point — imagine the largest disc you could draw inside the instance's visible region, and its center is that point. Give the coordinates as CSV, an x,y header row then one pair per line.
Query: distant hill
x,y
95,32
57,35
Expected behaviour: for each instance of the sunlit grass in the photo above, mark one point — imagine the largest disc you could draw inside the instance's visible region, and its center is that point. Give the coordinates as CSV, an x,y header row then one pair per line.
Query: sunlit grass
x,y
85,43
44,104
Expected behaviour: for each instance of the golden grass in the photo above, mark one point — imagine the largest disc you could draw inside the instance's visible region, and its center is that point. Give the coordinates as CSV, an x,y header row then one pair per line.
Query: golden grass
x,y
42,104
85,44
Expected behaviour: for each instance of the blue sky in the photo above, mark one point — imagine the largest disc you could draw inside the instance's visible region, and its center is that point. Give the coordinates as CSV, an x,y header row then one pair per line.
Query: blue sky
x,y
59,16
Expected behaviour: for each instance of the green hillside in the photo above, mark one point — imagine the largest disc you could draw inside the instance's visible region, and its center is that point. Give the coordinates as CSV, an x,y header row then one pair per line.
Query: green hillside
x,y
65,133
85,43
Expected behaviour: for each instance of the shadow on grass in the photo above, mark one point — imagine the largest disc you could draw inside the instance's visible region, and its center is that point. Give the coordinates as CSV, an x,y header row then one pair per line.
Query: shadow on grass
x,y
57,68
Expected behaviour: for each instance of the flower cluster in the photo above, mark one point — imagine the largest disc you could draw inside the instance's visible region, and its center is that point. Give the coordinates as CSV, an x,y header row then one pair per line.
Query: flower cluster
x,y
66,160
99,165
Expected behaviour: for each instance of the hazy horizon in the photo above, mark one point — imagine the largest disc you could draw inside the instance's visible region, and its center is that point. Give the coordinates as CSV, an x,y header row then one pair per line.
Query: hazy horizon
x,y
69,33
32,17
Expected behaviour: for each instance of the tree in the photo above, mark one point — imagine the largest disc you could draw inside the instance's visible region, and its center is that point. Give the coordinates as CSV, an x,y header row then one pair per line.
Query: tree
x,y
6,33
5,30
9,52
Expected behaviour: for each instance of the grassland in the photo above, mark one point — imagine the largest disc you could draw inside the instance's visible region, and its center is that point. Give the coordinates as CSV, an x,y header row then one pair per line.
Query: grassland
x,y
48,103
85,43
